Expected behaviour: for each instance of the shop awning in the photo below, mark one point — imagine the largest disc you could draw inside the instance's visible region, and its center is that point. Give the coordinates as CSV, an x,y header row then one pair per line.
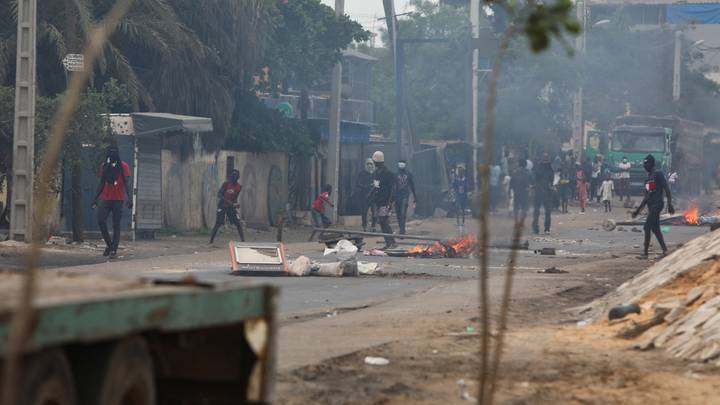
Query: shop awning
x,y
151,123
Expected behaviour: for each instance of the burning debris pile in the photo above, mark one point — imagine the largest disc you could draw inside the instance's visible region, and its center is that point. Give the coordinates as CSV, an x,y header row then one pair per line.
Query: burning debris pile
x,y
693,217
453,248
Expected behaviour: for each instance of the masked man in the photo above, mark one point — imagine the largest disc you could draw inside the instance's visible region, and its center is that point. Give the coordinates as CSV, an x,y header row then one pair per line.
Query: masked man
x,y
227,204
114,188
655,187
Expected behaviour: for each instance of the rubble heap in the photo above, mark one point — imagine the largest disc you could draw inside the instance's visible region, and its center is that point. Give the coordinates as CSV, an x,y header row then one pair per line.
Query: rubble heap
x,y
680,301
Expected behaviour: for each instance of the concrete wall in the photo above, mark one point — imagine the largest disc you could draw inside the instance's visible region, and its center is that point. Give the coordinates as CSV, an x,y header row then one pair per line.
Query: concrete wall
x,y
190,186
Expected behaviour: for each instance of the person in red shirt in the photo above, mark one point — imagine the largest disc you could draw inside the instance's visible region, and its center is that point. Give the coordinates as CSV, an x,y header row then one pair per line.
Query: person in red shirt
x,y
318,208
227,202
113,189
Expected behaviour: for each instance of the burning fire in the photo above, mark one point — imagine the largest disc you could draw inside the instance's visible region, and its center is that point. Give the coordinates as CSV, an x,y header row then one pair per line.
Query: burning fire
x,y
450,248
692,216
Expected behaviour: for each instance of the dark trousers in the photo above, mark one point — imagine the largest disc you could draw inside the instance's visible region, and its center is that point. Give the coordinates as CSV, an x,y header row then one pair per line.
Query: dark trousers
x,y
401,206
652,224
231,214
106,208
594,183
386,228
544,200
460,206
366,206
520,207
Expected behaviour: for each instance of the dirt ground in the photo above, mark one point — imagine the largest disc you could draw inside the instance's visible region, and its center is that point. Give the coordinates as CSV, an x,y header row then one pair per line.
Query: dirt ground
x,y
548,359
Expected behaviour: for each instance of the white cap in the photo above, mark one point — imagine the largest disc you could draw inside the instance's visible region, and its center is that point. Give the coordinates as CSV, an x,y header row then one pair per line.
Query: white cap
x,y
378,157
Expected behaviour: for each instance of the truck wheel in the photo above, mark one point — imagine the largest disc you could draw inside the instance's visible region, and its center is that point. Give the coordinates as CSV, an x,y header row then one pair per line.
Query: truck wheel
x,y
47,380
120,373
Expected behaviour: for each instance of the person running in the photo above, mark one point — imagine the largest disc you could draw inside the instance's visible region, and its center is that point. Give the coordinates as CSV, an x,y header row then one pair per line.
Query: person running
x,y
582,186
320,220
227,204
520,182
460,187
655,187
404,186
363,189
606,192
544,177
382,194
113,189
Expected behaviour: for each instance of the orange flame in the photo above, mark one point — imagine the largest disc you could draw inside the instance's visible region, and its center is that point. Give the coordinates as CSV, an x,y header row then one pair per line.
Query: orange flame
x,y
451,248
692,216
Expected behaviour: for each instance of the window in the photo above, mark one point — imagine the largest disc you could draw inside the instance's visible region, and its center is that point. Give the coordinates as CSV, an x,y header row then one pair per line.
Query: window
x,y
626,141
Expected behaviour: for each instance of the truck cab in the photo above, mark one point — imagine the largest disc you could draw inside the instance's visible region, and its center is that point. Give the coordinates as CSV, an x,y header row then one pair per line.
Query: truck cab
x,y
635,143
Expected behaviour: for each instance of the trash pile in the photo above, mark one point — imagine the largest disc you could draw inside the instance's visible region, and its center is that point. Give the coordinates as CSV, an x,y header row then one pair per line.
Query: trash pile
x,y
674,305
345,266
452,248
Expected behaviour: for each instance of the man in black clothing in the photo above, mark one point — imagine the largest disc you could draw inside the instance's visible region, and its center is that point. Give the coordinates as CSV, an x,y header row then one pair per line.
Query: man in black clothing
x,y
226,207
363,189
383,193
520,182
655,187
115,187
404,186
544,176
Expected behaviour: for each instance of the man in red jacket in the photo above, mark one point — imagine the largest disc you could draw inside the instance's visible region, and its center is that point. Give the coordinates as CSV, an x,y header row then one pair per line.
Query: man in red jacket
x,y
227,202
114,188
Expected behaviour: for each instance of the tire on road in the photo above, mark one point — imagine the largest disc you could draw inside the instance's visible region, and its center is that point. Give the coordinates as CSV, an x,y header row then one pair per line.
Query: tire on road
x,y
118,373
47,380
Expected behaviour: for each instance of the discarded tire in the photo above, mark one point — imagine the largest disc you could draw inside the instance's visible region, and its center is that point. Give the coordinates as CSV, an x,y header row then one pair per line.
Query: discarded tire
x,y
116,374
47,379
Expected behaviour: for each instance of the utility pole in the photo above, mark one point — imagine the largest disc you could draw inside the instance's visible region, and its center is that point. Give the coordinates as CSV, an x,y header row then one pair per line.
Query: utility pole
x,y
334,119
475,24
21,204
676,66
578,127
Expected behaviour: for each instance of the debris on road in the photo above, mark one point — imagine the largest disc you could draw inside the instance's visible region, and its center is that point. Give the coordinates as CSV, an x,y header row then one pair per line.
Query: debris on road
x,y
376,361
367,268
258,258
546,251
374,252
552,270
344,250
300,267
347,268
609,224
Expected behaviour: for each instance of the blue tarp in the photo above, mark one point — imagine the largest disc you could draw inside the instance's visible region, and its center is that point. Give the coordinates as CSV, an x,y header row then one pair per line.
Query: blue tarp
x,y
693,14
349,133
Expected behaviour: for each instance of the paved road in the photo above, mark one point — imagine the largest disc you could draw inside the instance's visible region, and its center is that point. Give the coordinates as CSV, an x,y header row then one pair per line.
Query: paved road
x,y
577,239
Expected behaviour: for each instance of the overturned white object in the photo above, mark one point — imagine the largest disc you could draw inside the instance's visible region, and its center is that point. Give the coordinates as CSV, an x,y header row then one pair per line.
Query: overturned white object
x,y
344,250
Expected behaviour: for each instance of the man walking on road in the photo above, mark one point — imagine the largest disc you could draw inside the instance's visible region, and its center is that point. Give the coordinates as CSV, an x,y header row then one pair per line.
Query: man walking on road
x,y
624,176
363,189
404,186
655,187
227,201
113,189
520,182
543,193
382,194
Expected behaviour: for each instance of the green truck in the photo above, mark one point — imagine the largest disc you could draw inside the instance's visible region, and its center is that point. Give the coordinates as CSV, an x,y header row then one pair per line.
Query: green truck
x,y
100,341
676,144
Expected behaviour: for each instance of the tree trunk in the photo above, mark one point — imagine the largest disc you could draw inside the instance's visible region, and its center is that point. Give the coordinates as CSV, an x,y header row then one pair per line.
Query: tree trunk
x,y
76,169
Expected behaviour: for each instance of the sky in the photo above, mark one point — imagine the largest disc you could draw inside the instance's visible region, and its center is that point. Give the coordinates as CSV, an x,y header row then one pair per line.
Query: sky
x,y
367,11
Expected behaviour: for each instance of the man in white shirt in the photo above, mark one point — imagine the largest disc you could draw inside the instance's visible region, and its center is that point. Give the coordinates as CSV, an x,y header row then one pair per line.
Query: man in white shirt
x,y
624,177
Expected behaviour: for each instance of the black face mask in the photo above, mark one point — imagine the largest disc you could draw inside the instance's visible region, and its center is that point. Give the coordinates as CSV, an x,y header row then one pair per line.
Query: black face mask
x,y
649,166
113,156
234,177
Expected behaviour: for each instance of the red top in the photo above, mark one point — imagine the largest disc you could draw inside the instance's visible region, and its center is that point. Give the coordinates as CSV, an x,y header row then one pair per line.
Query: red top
x,y
115,191
230,192
319,203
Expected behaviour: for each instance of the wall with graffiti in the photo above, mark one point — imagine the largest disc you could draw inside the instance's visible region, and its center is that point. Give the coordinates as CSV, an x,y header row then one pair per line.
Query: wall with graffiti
x,y
190,186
